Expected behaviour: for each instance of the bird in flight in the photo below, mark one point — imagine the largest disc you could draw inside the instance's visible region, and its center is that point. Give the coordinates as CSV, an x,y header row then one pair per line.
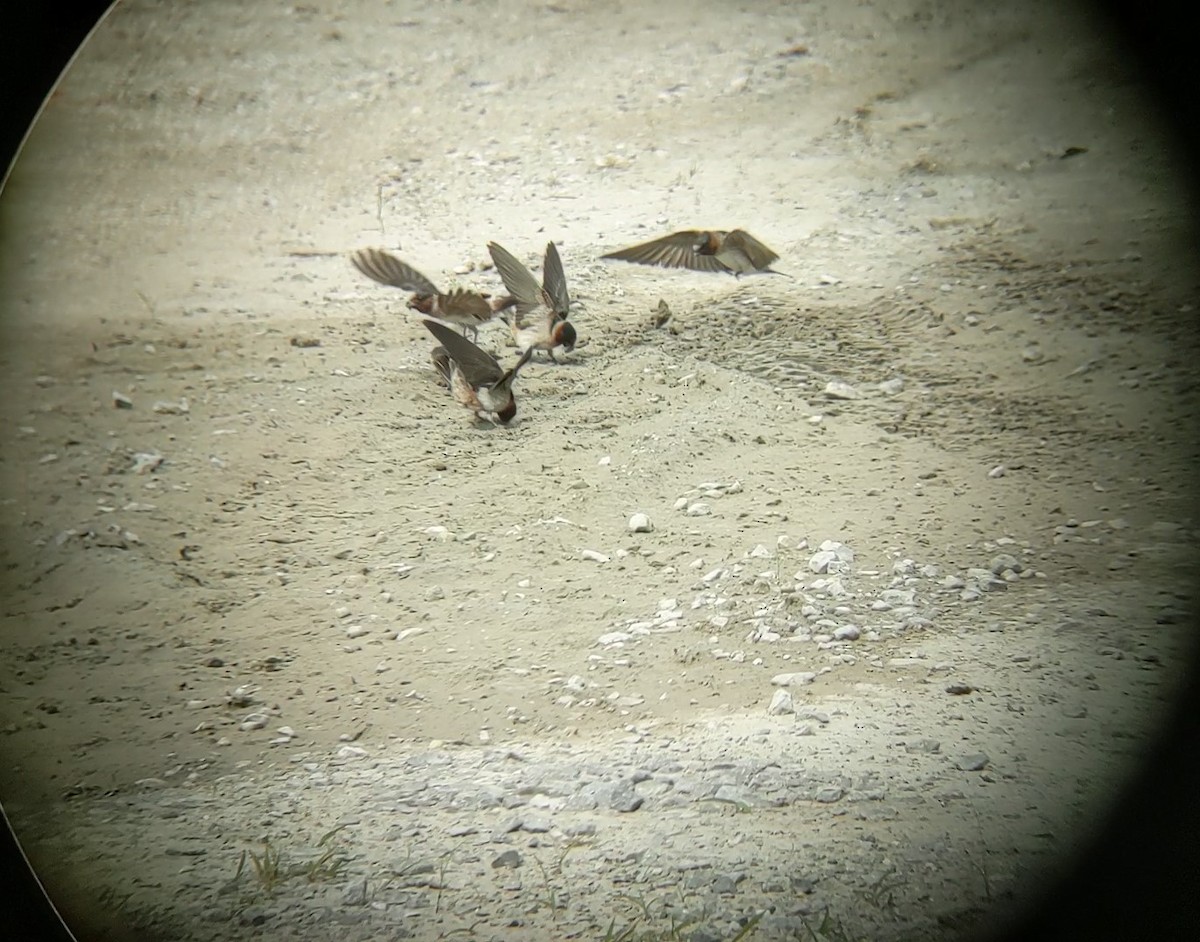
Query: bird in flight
x,y
539,318
467,309
736,252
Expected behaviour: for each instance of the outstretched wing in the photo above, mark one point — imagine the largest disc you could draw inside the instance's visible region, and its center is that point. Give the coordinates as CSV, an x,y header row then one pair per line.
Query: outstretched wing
x,y
760,256
554,282
676,250
478,367
388,270
518,280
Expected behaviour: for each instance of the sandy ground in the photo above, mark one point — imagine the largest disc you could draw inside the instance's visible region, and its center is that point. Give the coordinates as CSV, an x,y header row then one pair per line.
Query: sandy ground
x,y
985,241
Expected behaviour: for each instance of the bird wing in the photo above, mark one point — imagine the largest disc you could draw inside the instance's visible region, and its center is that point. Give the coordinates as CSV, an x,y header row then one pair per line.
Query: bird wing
x,y
478,367
760,256
388,270
672,251
554,282
467,304
517,279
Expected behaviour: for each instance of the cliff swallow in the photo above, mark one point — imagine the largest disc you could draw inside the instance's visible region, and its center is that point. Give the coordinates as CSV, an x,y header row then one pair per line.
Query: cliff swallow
x,y
736,252
467,309
539,319
475,378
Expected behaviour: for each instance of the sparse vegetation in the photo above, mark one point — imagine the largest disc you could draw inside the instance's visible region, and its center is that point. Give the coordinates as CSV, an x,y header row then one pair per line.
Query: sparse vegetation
x,y
272,867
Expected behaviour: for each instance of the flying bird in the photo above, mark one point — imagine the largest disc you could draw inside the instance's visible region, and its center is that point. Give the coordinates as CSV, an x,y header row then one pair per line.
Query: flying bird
x,y
539,319
475,378
467,309
736,252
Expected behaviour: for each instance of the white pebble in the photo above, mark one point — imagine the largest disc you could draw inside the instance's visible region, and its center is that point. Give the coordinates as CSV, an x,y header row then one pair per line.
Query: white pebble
x,y
172,408
640,523
254,721
836,389
594,556
781,703
793,679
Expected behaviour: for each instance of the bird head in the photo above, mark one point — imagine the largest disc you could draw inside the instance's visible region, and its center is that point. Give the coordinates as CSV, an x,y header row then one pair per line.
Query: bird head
x,y
564,335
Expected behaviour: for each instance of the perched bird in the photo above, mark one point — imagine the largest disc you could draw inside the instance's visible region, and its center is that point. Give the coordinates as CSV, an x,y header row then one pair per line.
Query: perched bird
x,y
467,309
736,252
539,319
475,378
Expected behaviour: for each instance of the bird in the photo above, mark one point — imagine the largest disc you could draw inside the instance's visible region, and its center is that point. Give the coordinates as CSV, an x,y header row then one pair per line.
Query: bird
x,y
539,318
475,378
736,252
467,309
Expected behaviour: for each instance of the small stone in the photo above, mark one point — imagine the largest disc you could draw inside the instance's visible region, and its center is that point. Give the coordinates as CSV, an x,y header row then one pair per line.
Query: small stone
x,y
699,509
640,523
253,721
441,534
355,893
793,679
172,408
624,798
214,662
121,401
831,557
846,633
830,793
836,389
972,763
781,703
958,689
145,462
593,556
923,745
510,859
1005,561
998,472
